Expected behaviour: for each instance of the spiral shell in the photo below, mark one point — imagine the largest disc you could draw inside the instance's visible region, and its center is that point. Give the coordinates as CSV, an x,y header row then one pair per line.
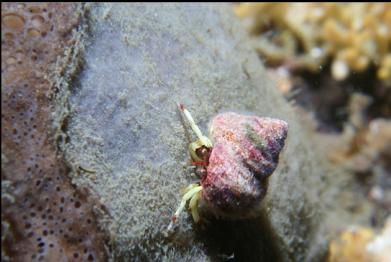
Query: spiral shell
x,y
245,153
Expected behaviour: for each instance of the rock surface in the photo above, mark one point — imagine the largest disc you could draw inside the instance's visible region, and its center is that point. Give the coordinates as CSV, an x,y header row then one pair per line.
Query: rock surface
x,y
127,143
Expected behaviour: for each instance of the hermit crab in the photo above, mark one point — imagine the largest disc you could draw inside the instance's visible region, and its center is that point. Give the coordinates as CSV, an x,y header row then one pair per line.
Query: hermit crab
x,y
233,164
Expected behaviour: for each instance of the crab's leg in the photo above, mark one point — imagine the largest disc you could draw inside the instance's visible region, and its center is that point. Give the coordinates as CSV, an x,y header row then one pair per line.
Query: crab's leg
x,y
193,205
204,140
196,188
188,188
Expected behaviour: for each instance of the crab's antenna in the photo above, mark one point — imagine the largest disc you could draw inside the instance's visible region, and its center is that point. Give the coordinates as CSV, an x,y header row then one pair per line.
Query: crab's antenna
x,y
204,140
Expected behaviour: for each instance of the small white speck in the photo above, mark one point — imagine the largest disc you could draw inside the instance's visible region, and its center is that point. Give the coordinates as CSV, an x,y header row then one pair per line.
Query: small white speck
x,y
316,52
339,69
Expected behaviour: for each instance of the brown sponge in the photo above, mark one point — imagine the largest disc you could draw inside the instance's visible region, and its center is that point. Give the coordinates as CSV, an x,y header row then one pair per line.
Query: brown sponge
x,y
44,217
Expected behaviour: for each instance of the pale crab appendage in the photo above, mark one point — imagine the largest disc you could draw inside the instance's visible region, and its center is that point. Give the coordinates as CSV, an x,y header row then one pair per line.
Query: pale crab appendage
x,y
193,191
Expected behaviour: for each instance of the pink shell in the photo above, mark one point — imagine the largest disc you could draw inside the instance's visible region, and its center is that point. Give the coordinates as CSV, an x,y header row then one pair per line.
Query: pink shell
x,y
244,155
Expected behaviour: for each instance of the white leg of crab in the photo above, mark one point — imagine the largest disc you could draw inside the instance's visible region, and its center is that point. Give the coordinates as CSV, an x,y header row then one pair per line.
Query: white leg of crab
x,y
193,205
193,193
204,140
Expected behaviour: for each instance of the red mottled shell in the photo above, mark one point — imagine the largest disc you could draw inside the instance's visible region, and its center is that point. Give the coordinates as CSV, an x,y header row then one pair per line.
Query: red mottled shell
x,y
244,155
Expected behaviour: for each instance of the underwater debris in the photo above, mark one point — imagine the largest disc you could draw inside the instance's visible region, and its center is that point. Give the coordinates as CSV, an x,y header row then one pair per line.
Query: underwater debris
x,y
307,35
350,245
361,244
234,169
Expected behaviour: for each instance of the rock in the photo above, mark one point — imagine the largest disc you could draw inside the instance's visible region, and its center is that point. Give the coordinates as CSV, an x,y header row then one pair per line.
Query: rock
x,y
125,132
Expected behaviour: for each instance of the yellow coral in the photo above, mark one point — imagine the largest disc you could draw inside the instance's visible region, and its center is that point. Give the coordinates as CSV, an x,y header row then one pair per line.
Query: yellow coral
x,y
351,246
305,35
362,244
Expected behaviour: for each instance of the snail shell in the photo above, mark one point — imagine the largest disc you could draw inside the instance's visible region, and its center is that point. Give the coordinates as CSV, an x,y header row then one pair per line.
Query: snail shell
x,y
245,153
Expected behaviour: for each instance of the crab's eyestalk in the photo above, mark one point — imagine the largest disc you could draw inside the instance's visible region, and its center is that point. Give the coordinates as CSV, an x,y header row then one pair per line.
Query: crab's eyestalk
x,y
204,140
